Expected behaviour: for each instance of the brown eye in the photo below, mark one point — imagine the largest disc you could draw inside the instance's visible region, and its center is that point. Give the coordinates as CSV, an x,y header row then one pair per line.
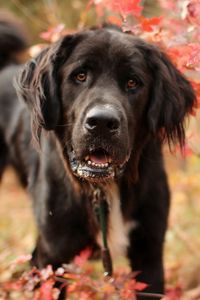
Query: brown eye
x,y
81,77
132,84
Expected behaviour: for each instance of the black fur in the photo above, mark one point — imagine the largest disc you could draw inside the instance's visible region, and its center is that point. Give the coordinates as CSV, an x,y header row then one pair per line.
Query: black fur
x,y
57,105
12,39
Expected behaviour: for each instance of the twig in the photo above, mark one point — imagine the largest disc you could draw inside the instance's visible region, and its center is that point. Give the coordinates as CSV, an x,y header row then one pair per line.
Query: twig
x,y
61,279
150,295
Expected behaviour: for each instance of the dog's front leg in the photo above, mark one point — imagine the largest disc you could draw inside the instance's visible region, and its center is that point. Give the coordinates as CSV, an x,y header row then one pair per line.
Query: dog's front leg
x,y
146,245
145,254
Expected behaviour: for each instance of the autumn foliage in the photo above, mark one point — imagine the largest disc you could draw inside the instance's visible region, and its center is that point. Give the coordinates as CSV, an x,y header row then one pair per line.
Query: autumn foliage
x,y
78,278
177,31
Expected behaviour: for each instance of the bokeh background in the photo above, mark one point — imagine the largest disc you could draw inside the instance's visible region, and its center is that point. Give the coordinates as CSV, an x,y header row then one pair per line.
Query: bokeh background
x,y
17,228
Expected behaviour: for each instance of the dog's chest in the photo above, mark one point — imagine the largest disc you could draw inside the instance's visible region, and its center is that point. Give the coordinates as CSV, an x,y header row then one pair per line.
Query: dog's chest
x,y
117,228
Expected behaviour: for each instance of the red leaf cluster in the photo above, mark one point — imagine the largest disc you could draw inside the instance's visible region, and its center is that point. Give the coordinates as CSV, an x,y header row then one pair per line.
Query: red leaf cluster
x,y
186,56
81,259
148,24
174,294
80,281
124,8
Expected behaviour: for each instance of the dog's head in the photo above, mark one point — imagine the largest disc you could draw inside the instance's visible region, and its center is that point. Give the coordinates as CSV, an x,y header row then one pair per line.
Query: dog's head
x,y
105,93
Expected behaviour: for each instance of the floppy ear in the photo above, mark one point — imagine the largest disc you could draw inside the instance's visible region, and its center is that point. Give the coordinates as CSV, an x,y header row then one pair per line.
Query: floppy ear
x,y
38,84
171,98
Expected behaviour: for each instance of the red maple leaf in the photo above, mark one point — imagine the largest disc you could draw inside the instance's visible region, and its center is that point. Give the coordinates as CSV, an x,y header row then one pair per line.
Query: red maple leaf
x,y
148,24
125,7
81,259
46,290
140,286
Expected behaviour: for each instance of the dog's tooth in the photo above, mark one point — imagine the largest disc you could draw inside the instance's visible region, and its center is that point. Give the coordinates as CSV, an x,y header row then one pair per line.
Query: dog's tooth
x,y
93,164
89,162
87,157
106,165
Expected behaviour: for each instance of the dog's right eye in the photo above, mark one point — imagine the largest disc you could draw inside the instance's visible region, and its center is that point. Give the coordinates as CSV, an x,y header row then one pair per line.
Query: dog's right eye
x,y
81,77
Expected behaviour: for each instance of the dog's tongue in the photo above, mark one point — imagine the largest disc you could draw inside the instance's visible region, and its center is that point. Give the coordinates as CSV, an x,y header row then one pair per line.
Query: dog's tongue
x,y
99,158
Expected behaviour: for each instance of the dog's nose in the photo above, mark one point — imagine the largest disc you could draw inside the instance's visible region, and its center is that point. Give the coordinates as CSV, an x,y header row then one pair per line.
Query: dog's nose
x,y
102,119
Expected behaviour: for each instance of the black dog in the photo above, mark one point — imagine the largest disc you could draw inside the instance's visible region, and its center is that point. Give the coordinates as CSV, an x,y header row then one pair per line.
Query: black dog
x,y
101,103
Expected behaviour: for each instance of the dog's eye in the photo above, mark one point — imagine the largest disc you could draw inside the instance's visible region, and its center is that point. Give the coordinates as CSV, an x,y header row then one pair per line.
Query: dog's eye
x,y
81,77
132,84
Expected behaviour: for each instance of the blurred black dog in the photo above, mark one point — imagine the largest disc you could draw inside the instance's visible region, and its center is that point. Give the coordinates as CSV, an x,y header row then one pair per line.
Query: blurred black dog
x,y
100,103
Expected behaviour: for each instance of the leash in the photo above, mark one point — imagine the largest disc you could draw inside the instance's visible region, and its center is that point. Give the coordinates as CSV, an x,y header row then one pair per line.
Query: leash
x,y
99,206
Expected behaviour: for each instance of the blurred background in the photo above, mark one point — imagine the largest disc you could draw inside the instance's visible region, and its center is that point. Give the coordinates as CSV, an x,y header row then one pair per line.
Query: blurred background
x,y
39,15
17,229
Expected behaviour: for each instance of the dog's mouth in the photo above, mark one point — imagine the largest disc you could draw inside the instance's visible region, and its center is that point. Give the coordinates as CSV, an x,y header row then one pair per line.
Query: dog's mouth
x,y
97,165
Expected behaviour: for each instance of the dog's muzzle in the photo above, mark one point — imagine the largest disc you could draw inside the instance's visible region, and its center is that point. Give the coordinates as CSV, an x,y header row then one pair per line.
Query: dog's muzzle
x,y
100,162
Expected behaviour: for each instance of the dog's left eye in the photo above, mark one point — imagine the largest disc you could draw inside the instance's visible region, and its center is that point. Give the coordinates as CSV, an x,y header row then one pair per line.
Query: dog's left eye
x,y
81,77
132,84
